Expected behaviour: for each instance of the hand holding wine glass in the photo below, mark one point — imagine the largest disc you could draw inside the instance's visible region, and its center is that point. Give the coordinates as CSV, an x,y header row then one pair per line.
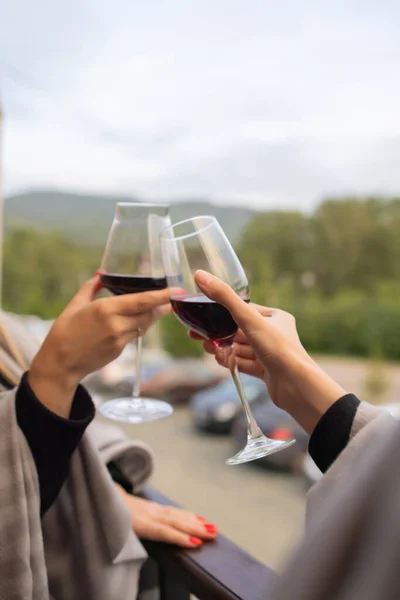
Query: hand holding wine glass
x,y
132,265
88,334
200,243
268,347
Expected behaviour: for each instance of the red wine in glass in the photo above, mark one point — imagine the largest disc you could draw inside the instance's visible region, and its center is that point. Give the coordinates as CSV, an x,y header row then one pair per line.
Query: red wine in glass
x,y
207,318
131,264
131,284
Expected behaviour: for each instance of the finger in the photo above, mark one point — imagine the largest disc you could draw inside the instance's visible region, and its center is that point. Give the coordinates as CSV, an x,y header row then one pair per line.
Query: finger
x,y
239,351
187,522
265,311
170,535
246,316
250,367
210,347
162,311
240,337
133,304
196,336
244,351
85,294
128,327
99,285
221,292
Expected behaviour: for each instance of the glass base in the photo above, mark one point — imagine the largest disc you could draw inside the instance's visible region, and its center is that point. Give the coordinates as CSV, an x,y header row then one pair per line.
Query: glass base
x,y
258,448
136,410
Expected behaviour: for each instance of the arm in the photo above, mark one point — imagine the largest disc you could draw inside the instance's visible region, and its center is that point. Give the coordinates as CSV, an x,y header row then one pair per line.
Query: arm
x,y
52,438
52,409
337,427
268,346
130,463
332,432
351,515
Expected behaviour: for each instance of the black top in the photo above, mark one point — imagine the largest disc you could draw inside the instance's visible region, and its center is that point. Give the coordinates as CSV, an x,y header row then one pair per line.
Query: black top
x,y
51,438
332,432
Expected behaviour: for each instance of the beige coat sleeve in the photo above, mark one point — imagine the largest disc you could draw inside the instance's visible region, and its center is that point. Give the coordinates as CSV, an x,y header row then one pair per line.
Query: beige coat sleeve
x,y
352,540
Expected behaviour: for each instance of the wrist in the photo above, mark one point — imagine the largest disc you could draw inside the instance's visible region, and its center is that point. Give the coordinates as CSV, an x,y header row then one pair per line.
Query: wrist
x,y
52,385
315,392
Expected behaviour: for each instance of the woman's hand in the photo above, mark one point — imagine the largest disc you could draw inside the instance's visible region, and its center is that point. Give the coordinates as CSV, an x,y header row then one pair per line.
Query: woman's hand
x,y
245,357
89,334
152,521
268,346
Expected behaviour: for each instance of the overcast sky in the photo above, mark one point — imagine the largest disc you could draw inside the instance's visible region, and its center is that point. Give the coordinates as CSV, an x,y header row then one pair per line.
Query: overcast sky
x,y
268,103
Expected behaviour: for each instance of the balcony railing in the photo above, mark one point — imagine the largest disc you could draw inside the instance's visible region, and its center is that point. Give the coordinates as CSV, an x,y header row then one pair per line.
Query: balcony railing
x,y
216,571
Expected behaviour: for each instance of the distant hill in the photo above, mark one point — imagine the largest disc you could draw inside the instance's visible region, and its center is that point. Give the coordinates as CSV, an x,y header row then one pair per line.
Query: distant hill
x,y
86,219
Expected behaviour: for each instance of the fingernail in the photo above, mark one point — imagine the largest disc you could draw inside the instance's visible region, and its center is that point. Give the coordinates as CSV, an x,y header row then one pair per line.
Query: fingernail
x,y
201,518
203,278
210,528
98,283
195,541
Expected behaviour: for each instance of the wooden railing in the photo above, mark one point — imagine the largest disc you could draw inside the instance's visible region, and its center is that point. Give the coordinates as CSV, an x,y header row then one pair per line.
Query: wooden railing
x,y
216,571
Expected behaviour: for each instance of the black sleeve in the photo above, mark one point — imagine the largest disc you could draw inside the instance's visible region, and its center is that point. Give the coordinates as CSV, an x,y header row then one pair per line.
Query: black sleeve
x,y
332,432
51,438
118,476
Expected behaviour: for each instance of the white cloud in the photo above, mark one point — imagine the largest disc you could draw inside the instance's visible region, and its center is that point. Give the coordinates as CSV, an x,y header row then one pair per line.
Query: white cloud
x,y
256,102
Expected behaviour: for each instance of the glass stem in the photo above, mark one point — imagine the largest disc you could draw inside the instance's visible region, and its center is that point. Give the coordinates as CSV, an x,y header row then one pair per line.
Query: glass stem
x,y
138,369
253,430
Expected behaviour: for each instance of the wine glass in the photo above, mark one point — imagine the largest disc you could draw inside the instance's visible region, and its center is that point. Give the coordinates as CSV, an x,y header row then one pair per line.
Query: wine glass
x,y
200,243
132,263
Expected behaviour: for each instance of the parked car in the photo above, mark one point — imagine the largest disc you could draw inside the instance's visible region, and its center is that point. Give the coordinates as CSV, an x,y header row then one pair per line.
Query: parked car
x,y
276,424
215,409
183,378
117,377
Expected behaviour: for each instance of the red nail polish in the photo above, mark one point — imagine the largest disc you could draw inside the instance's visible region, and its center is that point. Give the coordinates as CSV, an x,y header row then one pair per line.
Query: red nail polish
x,y
97,273
210,528
195,541
201,518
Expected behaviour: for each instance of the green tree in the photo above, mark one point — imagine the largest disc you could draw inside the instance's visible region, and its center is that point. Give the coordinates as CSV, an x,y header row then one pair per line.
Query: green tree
x,y
275,250
176,340
42,271
352,245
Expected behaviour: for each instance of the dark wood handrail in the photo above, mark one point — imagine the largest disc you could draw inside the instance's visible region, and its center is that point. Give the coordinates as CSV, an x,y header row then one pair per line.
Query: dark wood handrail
x,y
217,571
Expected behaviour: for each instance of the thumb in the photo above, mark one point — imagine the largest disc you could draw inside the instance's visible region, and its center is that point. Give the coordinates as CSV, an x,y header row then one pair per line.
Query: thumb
x,y
247,317
86,294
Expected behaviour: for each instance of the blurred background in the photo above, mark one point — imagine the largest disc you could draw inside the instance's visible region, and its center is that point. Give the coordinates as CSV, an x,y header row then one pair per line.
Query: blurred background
x,y
283,121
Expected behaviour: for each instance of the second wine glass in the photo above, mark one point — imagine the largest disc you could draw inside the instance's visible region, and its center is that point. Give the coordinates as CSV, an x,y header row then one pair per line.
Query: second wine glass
x,y
200,243
132,263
